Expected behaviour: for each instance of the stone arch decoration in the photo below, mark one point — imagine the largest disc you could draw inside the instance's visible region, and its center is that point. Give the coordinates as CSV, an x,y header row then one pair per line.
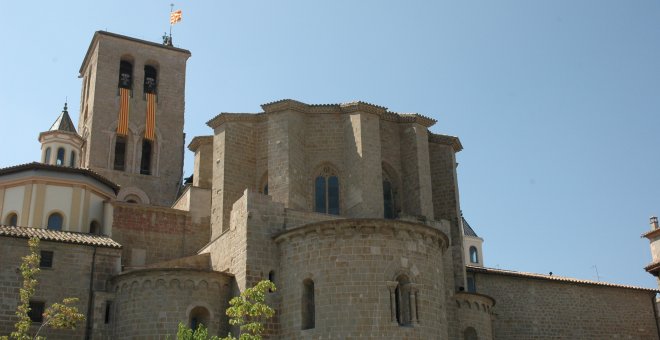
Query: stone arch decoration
x,y
125,193
404,294
199,312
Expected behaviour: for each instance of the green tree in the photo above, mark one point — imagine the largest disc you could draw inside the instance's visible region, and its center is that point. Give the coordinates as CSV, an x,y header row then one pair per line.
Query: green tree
x,y
248,311
59,315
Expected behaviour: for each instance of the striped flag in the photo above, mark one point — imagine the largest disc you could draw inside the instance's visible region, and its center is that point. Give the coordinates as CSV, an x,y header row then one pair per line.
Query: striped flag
x,y
175,17
122,125
150,131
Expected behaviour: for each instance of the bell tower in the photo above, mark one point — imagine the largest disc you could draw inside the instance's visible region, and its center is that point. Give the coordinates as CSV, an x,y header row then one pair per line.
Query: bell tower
x,y
132,115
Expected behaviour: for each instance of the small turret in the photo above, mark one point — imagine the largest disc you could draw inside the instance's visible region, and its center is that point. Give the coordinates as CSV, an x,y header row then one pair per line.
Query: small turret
x,y
654,237
61,144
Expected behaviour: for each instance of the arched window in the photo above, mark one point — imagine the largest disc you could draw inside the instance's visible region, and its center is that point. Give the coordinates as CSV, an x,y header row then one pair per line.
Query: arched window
x,y
402,300
120,153
125,74
474,254
470,334
72,160
390,199
308,309
150,79
145,162
94,228
271,278
263,184
199,315
60,157
12,219
47,156
326,192
55,221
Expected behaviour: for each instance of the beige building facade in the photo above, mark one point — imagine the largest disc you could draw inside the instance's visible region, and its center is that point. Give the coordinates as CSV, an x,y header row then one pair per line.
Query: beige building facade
x,y
352,210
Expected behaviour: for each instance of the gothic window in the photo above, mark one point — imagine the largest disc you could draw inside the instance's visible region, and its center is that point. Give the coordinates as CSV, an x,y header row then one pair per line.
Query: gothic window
x,y
72,160
307,308
150,79
326,192
470,334
474,254
199,316
108,310
263,184
47,156
145,161
60,157
12,219
390,199
271,278
120,153
55,221
125,75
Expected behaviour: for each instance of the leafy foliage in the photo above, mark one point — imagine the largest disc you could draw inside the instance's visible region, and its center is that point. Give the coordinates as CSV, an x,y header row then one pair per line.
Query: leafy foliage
x,y
249,311
59,315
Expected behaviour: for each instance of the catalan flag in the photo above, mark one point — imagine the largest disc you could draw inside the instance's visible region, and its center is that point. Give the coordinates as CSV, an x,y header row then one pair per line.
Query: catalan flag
x,y
175,17
122,125
149,132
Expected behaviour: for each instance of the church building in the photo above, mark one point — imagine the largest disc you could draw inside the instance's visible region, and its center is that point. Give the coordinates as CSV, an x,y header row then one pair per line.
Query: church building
x,y
352,210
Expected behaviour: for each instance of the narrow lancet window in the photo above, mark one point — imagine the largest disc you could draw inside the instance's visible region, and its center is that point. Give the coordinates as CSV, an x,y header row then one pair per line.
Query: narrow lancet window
x,y
145,162
326,192
47,156
308,309
474,255
120,153
60,157
72,160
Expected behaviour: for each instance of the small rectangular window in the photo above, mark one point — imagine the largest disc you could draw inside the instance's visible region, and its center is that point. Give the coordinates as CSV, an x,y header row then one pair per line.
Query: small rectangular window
x,y
108,309
120,153
36,312
46,260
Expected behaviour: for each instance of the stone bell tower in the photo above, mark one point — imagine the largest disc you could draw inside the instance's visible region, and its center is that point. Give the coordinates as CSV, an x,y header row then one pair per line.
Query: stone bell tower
x,y
132,115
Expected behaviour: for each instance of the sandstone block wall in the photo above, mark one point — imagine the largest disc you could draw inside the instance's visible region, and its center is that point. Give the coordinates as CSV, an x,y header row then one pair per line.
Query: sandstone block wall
x,y
153,234
351,262
100,108
474,311
529,308
69,277
150,303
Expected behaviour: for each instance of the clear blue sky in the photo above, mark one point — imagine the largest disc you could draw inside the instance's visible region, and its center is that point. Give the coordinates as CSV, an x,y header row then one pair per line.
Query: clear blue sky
x,y
555,102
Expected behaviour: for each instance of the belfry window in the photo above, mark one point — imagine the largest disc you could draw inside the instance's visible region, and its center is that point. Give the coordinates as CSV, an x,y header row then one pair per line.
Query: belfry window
x,y
94,228
55,221
474,254
120,153
326,192
60,157
308,309
125,75
402,296
72,160
47,156
145,161
150,79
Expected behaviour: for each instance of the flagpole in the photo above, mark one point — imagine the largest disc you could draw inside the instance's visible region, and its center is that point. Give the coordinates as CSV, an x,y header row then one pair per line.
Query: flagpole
x,y
171,10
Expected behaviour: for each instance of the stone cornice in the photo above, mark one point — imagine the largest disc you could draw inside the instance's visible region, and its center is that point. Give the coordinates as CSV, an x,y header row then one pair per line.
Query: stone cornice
x,y
452,141
198,141
59,133
344,108
349,227
234,117
651,234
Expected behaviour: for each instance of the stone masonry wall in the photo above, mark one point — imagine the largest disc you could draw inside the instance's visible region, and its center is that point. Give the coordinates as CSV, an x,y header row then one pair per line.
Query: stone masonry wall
x,y
150,303
153,234
103,108
351,262
69,277
530,308
446,204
